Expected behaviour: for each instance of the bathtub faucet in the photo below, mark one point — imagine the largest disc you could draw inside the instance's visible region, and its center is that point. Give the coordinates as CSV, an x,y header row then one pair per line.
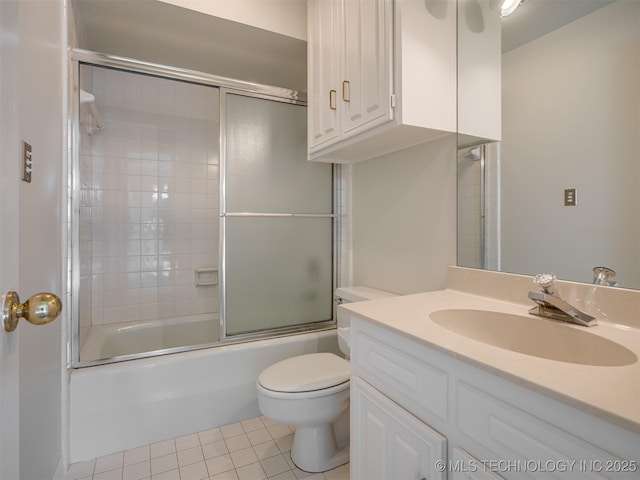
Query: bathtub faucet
x,y
550,305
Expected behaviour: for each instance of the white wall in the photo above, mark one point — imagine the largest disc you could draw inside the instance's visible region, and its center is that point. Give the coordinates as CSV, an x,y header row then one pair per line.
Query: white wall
x,y
287,17
404,218
570,138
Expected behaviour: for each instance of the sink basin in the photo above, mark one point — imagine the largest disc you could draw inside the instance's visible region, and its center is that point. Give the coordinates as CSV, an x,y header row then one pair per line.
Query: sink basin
x,y
534,336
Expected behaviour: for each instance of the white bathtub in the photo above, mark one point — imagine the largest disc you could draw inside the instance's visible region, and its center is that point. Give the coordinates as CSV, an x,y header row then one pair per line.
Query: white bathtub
x,y
123,405
129,338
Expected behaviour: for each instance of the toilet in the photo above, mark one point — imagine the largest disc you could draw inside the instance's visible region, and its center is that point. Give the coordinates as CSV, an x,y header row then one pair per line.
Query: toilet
x,y
311,392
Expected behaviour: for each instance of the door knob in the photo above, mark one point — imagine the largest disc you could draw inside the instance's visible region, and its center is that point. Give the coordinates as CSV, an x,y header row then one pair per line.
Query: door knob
x,y
41,308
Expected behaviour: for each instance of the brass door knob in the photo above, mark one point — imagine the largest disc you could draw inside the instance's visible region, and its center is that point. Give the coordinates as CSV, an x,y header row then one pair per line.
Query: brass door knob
x,y
41,308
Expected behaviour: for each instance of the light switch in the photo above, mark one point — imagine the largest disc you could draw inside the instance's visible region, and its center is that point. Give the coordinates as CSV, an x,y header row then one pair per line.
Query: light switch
x,y
570,198
27,162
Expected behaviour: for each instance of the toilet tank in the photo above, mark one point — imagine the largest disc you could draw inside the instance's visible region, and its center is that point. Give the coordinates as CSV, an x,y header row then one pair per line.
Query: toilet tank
x,y
350,295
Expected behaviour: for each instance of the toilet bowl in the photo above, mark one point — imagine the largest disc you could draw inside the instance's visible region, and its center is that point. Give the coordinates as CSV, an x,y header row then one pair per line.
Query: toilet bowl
x,y
311,392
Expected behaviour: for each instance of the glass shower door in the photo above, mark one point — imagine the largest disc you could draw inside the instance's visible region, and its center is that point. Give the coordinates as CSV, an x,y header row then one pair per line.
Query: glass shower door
x,y
277,220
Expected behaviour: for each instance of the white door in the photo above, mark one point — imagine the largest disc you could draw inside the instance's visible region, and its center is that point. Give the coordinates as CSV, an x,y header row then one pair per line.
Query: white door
x,y
9,404
31,362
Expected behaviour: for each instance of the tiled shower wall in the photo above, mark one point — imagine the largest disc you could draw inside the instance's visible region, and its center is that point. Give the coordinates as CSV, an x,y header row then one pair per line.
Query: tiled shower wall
x,y
469,214
149,197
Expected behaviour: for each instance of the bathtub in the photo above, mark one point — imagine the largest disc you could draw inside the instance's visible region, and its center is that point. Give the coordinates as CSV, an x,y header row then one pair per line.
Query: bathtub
x,y
124,405
130,338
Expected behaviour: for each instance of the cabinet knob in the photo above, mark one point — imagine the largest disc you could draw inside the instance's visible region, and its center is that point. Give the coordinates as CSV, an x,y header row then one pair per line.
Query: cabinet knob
x,y
346,93
332,99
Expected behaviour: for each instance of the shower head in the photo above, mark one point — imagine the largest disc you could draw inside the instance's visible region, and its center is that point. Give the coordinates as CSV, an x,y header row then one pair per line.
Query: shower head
x,y
474,153
89,99
86,97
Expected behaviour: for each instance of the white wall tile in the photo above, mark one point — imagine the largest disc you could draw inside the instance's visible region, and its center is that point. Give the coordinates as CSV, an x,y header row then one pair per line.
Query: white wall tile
x,y
150,210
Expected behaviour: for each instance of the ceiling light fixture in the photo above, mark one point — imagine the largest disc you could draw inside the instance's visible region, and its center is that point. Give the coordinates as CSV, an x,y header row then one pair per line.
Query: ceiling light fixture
x,y
509,6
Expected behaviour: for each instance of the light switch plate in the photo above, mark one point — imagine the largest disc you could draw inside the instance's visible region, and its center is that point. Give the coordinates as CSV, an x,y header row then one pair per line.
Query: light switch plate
x,y
570,198
27,162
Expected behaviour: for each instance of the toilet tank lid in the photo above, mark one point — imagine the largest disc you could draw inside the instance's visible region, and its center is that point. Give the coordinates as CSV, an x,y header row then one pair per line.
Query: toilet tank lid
x,y
359,294
305,373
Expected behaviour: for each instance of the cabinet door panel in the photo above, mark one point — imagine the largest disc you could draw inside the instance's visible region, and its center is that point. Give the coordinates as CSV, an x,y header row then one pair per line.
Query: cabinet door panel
x,y
324,38
466,467
388,442
366,95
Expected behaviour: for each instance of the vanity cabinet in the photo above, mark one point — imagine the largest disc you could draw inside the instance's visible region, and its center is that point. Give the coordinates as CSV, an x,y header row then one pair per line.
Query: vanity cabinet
x,y
389,442
494,426
381,76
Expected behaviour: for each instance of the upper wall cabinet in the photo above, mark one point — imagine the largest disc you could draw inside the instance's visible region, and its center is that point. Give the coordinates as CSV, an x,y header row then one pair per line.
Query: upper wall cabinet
x,y
381,76
479,72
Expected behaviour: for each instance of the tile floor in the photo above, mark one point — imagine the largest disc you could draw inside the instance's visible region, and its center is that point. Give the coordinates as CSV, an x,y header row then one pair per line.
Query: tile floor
x,y
253,449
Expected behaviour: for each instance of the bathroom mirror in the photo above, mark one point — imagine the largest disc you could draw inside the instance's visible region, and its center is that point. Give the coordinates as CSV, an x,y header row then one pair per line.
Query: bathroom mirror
x,y
560,190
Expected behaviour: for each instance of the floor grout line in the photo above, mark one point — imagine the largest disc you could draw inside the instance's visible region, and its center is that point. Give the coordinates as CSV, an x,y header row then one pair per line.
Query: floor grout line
x,y
268,458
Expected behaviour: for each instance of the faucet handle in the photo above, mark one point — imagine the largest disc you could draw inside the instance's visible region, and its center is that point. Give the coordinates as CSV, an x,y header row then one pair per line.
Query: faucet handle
x,y
546,281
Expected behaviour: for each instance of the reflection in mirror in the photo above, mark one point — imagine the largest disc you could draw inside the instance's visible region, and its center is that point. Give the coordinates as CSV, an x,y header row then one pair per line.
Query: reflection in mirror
x,y
570,121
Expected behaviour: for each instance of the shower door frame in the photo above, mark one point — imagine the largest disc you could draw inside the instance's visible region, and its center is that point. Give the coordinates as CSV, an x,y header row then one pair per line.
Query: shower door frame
x,y
254,335
78,57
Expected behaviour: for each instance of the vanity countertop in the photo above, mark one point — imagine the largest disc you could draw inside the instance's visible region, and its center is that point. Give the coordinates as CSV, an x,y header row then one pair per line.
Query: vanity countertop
x,y
609,392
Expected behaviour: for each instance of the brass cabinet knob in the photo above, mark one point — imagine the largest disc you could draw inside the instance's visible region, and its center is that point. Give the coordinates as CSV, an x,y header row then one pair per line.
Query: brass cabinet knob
x,y
41,308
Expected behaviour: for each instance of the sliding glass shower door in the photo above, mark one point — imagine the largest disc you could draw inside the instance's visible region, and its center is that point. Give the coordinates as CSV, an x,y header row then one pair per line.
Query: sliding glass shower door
x,y
276,219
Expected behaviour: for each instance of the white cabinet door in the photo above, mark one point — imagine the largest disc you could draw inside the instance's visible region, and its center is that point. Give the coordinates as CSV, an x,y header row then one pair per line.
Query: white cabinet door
x,y
389,443
465,467
323,46
366,86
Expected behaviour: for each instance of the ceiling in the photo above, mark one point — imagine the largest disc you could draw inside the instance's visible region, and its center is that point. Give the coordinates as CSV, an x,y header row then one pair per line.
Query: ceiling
x,y
166,34
170,35
535,18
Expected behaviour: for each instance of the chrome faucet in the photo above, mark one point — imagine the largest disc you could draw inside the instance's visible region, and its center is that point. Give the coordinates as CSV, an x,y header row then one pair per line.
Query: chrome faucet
x,y
550,305
603,276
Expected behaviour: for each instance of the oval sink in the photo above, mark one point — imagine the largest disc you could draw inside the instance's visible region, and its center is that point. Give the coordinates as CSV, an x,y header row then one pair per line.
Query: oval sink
x,y
534,336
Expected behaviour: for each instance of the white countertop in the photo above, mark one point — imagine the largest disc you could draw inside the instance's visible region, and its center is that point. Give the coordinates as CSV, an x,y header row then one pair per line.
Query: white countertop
x,y
611,393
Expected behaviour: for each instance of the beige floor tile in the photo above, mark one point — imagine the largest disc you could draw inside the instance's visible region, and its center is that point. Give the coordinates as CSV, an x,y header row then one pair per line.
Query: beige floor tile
x,y
219,464
187,441
190,455
259,436
137,455
214,449
253,471
275,465
252,424
243,457
164,463
137,471
232,430
266,450
160,449
195,471
210,436
238,442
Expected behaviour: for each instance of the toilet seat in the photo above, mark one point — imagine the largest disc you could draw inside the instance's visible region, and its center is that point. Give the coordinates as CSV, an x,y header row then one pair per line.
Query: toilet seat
x,y
306,376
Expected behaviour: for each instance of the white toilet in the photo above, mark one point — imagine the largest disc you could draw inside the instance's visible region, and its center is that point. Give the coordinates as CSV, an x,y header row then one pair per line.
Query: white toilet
x,y
311,392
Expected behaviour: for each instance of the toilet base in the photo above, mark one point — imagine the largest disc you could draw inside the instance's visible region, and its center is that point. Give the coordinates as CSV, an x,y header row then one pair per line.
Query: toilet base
x,y
324,456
